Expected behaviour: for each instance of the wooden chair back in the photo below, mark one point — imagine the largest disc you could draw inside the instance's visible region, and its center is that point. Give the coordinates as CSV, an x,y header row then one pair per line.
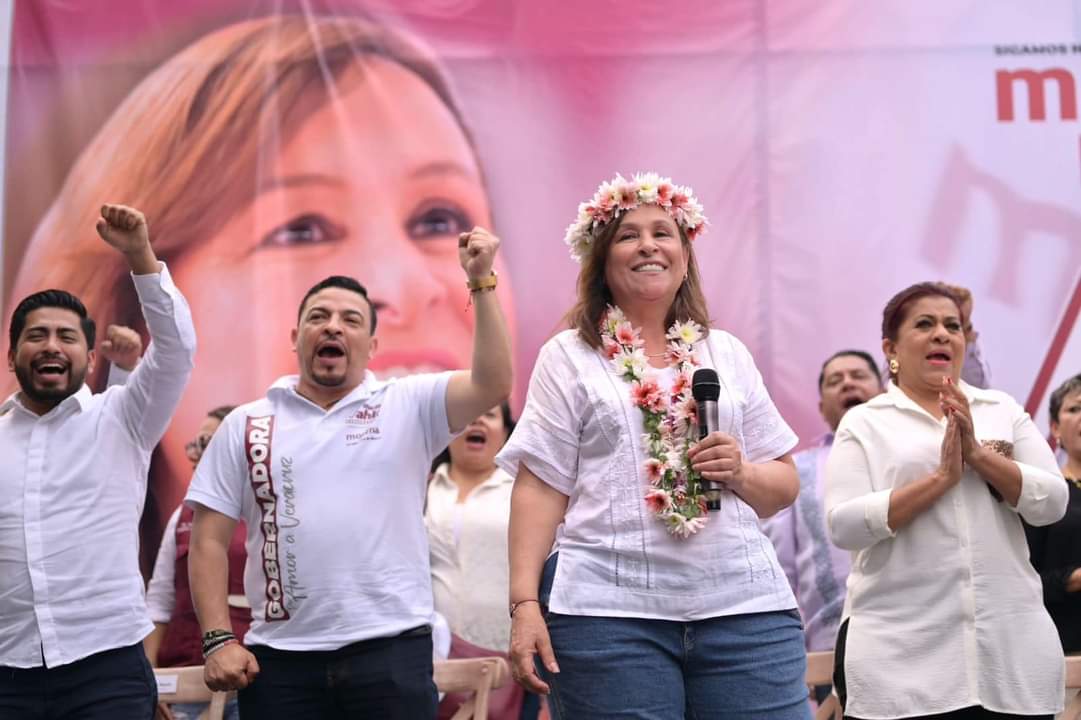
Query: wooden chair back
x,y
820,672
185,685
1073,690
476,675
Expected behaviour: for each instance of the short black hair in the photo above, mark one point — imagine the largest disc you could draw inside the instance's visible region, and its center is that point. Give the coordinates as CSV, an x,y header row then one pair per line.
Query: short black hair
x,y
1070,386
865,356
339,281
50,298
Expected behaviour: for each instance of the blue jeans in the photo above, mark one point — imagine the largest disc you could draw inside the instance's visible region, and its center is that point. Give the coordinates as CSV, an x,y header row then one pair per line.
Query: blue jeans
x,y
736,667
110,684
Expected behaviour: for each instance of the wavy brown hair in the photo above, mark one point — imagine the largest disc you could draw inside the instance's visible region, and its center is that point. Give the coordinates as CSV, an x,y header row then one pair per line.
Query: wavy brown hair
x,y
594,295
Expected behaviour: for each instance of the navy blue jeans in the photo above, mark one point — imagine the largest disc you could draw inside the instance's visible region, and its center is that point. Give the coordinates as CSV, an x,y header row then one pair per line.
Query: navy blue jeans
x,y
737,667
379,679
111,684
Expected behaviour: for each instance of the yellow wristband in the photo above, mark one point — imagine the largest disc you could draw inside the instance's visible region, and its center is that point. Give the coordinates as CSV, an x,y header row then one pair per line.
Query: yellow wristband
x,y
485,283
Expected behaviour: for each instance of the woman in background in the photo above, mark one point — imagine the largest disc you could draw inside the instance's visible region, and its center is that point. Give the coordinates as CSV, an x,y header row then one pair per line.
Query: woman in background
x,y
467,515
176,640
1055,550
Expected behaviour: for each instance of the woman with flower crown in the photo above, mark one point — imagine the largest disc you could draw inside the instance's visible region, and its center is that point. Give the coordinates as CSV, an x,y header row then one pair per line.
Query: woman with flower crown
x,y
629,598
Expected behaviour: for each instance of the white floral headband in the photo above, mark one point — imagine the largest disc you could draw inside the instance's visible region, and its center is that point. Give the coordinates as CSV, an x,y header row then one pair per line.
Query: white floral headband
x,y
618,195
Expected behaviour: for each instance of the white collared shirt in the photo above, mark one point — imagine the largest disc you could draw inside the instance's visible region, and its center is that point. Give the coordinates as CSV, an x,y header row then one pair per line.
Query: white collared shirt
x,y
334,503
72,485
581,434
947,612
468,540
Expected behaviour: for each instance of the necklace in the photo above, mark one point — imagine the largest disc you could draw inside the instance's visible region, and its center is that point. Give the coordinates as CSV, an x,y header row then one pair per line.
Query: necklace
x,y
1076,482
670,421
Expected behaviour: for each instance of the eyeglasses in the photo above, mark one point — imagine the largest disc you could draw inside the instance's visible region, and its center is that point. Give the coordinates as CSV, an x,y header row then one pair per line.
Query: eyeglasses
x,y
195,448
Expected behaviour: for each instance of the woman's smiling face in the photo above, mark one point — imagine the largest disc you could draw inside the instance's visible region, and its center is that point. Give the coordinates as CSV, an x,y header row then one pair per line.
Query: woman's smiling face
x,y
376,185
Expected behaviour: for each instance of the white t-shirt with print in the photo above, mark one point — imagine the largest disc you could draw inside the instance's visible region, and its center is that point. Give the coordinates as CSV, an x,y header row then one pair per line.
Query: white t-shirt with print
x,y
334,501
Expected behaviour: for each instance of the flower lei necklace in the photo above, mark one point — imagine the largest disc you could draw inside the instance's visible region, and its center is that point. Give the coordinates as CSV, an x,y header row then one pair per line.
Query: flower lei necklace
x,y
670,422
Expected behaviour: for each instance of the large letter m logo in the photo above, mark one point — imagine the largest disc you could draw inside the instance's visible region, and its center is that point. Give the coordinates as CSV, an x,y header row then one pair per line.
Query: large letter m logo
x,y
1035,83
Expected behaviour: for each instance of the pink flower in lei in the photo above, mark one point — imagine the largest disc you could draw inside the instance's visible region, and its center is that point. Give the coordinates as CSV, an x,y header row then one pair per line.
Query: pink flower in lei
x,y
675,494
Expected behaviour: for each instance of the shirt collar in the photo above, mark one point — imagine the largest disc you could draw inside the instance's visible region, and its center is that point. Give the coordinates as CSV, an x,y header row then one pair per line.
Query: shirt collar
x,y
80,397
441,476
895,396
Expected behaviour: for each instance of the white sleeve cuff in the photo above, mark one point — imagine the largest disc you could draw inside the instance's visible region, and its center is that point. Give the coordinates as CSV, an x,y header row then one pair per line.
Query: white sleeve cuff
x,y
876,514
861,522
1044,496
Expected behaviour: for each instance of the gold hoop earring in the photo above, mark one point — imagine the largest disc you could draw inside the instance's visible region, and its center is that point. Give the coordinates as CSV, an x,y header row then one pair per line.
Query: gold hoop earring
x,y
894,366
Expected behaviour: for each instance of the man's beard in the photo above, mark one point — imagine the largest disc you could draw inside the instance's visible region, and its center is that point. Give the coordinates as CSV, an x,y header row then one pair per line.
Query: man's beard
x,y
49,396
328,381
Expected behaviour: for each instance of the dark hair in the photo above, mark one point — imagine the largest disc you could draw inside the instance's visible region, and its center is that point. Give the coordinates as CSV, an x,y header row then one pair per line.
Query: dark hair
x,y
894,312
1070,386
594,295
508,424
866,357
221,411
339,281
50,298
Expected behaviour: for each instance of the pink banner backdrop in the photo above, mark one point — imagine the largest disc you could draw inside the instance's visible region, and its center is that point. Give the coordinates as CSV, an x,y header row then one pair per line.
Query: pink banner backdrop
x,y
842,150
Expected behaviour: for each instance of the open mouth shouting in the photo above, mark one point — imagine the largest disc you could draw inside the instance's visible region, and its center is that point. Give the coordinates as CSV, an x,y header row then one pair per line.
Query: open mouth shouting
x,y
475,438
852,401
329,353
940,358
50,370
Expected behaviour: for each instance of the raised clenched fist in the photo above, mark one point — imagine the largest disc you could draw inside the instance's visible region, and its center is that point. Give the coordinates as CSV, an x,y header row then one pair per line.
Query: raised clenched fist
x,y
476,252
124,228
122,347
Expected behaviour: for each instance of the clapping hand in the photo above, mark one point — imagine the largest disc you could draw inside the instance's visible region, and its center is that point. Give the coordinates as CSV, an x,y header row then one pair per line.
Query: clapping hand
x,y
955,406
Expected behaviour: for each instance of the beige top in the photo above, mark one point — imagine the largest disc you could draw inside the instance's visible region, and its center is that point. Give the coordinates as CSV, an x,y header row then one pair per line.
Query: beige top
x,y
468,545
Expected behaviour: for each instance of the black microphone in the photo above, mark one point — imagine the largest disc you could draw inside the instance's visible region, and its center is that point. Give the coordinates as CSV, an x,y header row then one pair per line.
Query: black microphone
x,y
706,388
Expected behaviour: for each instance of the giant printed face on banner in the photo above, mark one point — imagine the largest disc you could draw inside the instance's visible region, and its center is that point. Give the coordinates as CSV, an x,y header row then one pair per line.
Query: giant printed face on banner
x,y
377,185
267,156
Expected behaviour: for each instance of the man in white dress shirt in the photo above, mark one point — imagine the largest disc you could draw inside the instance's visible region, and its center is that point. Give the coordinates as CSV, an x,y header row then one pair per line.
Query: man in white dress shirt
x,y
330,471
72,484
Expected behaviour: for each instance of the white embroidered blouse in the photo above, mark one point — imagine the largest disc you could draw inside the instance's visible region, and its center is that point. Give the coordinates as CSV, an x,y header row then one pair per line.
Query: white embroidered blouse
x,y
581,434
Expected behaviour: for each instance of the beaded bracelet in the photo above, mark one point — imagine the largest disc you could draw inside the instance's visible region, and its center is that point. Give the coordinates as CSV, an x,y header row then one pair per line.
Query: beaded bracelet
x,y
214,648
212,639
